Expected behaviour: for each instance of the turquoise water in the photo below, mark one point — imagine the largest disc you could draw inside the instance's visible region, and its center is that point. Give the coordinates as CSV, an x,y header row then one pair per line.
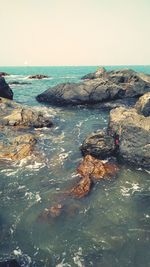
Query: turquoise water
x,y
108,228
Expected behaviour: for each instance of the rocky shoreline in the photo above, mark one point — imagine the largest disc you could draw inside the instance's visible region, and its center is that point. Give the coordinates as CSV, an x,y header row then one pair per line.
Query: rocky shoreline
x,y
127,134
125,141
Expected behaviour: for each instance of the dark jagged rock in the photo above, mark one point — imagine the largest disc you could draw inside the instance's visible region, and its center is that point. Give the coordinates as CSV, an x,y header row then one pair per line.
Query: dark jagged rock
x,y
5,90
2,74
143,105
99,145
9,263
13,114
38,76
112,85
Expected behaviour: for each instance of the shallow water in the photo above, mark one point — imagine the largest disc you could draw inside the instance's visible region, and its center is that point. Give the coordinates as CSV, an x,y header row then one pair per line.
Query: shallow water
x,y
108,228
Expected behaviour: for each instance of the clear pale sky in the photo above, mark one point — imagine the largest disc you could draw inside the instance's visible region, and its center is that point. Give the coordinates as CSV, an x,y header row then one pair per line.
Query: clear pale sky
x,y
74,32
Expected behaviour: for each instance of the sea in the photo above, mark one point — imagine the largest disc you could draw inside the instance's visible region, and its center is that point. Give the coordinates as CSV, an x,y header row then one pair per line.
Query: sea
x,y
108,228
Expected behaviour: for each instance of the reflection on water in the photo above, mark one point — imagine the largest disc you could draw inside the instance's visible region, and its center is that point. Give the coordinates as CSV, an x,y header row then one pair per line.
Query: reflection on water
x,y
108,228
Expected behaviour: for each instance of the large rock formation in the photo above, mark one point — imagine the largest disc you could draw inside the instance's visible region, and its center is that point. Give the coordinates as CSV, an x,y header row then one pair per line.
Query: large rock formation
x,y
13,114
109,86
5,90
133,132
127,136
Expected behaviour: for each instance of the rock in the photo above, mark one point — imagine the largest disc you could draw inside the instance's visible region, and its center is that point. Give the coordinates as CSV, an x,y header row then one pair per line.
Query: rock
x,y
143,105
13,114
98,74
2,74
82,188
9,263
133,131
125,102
38,76
51,212
5,90
96,169
17,148
99,145
19,83
91,170
112,85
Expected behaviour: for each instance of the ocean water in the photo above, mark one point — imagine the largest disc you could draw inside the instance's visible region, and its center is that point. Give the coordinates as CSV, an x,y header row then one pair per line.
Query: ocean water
x,y
108,228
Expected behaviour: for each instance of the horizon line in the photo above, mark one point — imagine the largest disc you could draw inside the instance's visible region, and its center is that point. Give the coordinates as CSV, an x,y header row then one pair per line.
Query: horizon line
x,y
98,65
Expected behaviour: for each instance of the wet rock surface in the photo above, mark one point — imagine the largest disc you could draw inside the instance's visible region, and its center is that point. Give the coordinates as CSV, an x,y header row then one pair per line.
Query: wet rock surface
x,y
109,86
92,170
5,90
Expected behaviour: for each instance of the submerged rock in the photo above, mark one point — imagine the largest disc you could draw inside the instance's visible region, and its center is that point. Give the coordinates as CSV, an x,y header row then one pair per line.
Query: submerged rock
x,y
19,83
111,85
13,114
5,90
143,105
38,76
82,188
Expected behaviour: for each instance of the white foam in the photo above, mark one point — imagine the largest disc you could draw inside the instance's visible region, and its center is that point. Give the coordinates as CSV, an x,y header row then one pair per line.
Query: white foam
x,y
78,260
62,264
127,191
33,196
17,252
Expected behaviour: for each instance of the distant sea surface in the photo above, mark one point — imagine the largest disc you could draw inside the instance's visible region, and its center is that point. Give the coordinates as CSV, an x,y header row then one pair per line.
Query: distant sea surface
x,y
110,227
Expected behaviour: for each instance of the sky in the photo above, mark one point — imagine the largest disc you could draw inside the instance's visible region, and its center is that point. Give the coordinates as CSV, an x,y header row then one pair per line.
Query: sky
x,y
74,32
